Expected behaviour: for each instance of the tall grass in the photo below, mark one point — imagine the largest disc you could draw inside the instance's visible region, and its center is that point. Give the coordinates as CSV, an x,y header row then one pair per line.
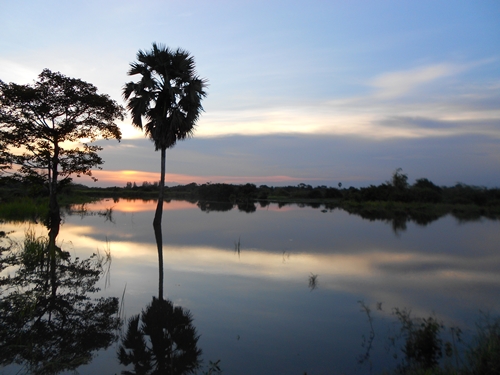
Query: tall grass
x,y
483,355
426,347
34,251
26,209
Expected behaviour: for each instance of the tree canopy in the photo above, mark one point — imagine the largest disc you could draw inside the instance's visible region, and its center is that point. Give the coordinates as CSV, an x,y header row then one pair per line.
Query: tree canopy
x,y
47,128
168,94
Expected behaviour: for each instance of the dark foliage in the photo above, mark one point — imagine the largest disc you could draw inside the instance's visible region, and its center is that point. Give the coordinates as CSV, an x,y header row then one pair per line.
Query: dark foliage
x,y
208,206
38,118
162,340
216,192
48,322
168,95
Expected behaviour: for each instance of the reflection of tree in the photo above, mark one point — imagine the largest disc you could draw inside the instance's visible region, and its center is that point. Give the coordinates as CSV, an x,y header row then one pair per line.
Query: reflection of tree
x,y
162,340
399,215
263,204
247,206
47,320
208,206
397,218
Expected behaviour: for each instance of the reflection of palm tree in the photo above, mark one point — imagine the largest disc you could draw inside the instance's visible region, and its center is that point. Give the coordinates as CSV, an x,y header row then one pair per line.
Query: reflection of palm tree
x,y
162,340
47,320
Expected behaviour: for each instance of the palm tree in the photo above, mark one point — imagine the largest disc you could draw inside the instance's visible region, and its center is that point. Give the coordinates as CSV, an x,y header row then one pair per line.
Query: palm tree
x,y
168,96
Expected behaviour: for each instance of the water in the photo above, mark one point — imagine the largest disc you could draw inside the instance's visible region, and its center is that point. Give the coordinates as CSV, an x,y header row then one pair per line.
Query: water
x,y
277,290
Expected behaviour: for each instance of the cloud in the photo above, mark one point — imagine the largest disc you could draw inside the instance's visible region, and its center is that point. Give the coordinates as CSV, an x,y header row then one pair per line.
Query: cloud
x,y
431,92
396,84
313,159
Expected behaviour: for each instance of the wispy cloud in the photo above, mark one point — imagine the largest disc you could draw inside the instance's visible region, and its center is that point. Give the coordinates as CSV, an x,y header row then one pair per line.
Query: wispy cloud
x,y
395,84
432,93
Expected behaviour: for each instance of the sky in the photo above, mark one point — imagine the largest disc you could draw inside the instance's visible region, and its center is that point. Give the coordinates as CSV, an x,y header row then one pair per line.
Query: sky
x,y
316,92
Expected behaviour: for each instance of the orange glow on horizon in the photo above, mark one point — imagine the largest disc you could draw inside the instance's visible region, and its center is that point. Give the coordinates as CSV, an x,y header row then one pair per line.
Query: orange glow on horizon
x,y
120,178
138,205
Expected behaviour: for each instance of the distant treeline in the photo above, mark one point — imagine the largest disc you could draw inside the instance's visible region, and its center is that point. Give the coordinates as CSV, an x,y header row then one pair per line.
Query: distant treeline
x,y
423,191
397,189
395,202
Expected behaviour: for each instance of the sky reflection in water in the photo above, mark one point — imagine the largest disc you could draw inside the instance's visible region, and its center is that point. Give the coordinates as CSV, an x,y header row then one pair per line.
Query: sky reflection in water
x,y
254,309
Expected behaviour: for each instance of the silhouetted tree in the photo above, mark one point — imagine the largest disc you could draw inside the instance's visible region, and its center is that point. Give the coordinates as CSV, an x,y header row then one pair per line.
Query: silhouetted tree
x,y
399,179
37,119
168,96
425,191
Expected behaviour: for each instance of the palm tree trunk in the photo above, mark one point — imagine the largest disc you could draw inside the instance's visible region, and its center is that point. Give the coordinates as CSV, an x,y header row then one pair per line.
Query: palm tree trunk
x,y
157,224
159,206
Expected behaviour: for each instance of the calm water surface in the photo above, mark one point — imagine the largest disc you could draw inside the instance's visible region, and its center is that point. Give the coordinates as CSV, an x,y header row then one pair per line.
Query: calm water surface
x,y
288,301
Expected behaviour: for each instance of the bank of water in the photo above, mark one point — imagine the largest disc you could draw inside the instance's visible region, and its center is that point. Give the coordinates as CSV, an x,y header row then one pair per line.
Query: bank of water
x,y
278,290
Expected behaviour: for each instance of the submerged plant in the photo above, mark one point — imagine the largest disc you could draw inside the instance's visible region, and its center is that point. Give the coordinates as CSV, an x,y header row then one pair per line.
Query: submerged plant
x,y
313,281
367,342
425,350
422,346
237,247
483,355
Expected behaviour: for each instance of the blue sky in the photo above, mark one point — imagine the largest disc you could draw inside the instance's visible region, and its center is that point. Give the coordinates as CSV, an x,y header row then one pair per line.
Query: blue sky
x,y
319,92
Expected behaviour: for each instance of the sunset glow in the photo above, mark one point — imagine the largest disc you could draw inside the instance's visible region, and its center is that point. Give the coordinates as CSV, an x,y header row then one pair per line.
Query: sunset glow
x,y
330,175
138,205
320,93
121,178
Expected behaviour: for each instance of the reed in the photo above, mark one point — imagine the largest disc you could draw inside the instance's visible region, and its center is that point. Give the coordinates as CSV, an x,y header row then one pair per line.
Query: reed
x,y
25,209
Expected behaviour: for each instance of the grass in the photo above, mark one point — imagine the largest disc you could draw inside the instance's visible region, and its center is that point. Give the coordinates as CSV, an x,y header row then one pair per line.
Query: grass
x,y
26,209
483,356
34,210
425,346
